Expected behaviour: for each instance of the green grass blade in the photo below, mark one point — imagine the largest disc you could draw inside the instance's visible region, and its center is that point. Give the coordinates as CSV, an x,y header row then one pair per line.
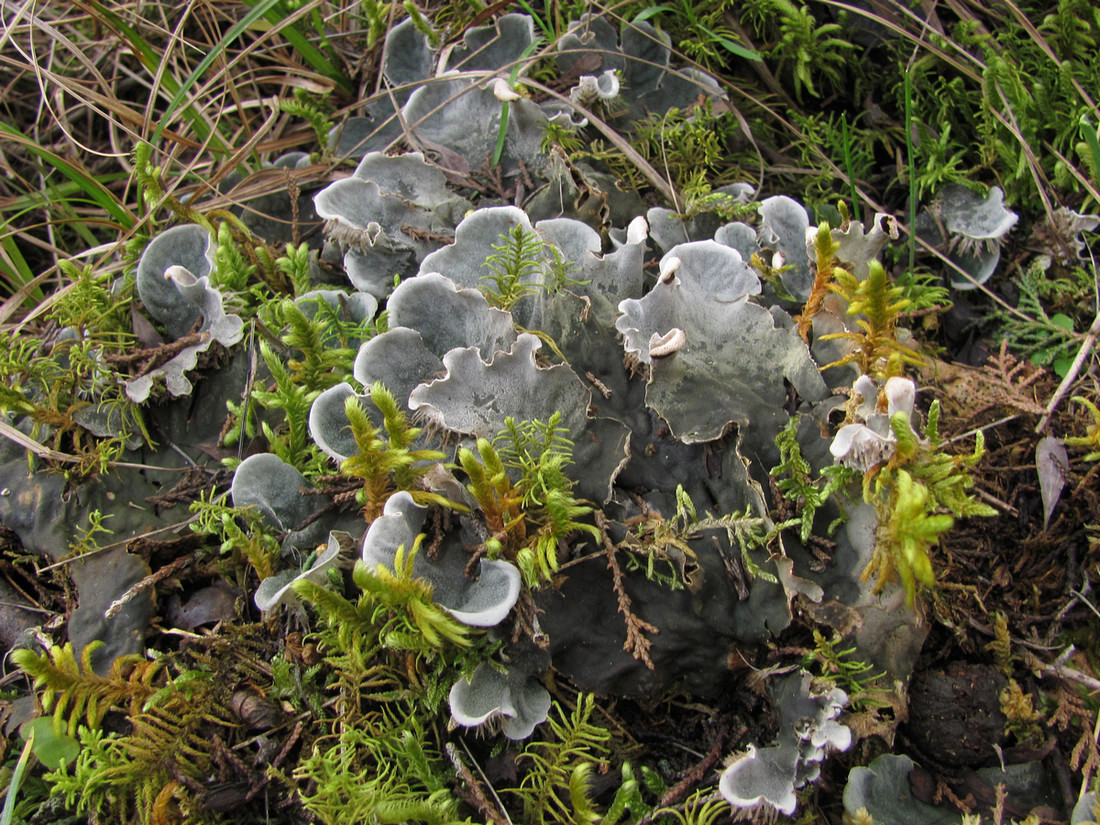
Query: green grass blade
x,y
1092,140
647,13
498,150
150,59
15,270
62,189
912,170
87,184
141,47
502,134
272,11
730,46
310,53
16,780
849,166
547,31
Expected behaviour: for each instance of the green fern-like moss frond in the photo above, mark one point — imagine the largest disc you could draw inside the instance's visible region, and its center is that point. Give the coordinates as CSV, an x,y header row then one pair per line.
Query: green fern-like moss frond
x,y
309,111
371,463
745,532
233,271
917,494
387,769
944,475
410,598
703,807
906,532
294,264
826,270
556,781
241,532
333,607
584,810
325,360
76,692
386,461
290,441
876,349
515,268
118,778
527,519
795,481
401,434
497,497
101,766
540,452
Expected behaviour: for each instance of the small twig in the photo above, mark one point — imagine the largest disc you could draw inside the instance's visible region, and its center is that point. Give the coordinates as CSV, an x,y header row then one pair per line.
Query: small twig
x,y
277,762
40,570
28,608
171,445
39,449
996,502
1087,603
413,140
42,451
316,514
1061,672
1083,355
479,799
152,355
637,644
145,584
971,433
694,775
1078,595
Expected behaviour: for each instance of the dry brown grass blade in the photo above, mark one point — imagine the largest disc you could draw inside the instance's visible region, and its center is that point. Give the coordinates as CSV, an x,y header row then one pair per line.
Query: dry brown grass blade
x,y
661,184
84,86
972,67
238,156
270,181
1086,351
1042,43
27,443
17,298
965,63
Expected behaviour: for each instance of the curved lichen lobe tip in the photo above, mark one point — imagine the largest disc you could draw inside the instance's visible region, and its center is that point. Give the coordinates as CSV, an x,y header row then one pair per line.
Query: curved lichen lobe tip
x,y
180,274
668,270
664,346
503,92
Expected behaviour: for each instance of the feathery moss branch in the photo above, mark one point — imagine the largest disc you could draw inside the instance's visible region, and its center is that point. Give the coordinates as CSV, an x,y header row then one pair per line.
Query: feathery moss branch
x,y
877,350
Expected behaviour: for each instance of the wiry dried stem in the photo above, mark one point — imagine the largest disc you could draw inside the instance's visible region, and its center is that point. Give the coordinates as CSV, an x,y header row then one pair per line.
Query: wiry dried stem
x,y
636,642
474,792
1087,350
